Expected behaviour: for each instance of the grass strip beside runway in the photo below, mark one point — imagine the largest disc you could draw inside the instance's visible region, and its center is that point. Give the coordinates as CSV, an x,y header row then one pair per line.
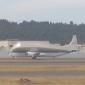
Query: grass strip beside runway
x,y
34,68
42,81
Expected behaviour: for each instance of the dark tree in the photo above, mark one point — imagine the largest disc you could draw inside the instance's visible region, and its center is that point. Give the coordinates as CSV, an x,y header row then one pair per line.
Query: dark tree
x,y
32,30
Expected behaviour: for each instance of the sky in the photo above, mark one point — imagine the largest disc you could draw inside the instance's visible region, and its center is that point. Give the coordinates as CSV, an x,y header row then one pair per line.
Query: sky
x,y
43,10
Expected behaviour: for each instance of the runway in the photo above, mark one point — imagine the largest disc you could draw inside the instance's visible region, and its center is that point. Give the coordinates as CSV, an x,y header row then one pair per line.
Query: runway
x,y
25,62
42,62
65,60
41,74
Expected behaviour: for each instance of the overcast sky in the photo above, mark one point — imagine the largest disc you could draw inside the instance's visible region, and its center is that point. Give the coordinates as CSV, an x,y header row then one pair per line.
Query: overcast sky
x,y
43,10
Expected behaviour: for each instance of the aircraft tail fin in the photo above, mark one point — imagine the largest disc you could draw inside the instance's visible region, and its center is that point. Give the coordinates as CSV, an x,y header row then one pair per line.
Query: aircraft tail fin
x,y
74,40
73,45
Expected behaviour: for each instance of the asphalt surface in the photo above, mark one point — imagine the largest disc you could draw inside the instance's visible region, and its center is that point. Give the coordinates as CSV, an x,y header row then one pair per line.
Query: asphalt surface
x,y
43,62
76,58
65,60
40,74
24,62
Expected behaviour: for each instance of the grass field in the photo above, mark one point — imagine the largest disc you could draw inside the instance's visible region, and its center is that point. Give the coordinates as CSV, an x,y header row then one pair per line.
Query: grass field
x,y
32,68
43,81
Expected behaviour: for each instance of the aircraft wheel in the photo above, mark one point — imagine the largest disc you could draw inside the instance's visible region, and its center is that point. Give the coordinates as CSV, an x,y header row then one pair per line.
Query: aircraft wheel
x,y
34,57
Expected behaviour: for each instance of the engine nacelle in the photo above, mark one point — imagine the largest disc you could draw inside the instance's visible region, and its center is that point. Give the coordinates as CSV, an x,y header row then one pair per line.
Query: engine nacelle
x,y
34,55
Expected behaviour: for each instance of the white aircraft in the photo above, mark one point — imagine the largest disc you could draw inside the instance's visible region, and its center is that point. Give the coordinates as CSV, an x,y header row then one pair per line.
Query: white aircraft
x,y
35,50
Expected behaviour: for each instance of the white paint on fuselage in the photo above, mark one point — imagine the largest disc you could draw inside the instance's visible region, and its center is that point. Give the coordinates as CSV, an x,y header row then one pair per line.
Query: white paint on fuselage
x,y
51,54
31,53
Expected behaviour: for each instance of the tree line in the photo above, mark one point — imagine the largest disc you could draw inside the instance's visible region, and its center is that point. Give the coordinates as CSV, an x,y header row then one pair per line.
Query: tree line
x,y
33,30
